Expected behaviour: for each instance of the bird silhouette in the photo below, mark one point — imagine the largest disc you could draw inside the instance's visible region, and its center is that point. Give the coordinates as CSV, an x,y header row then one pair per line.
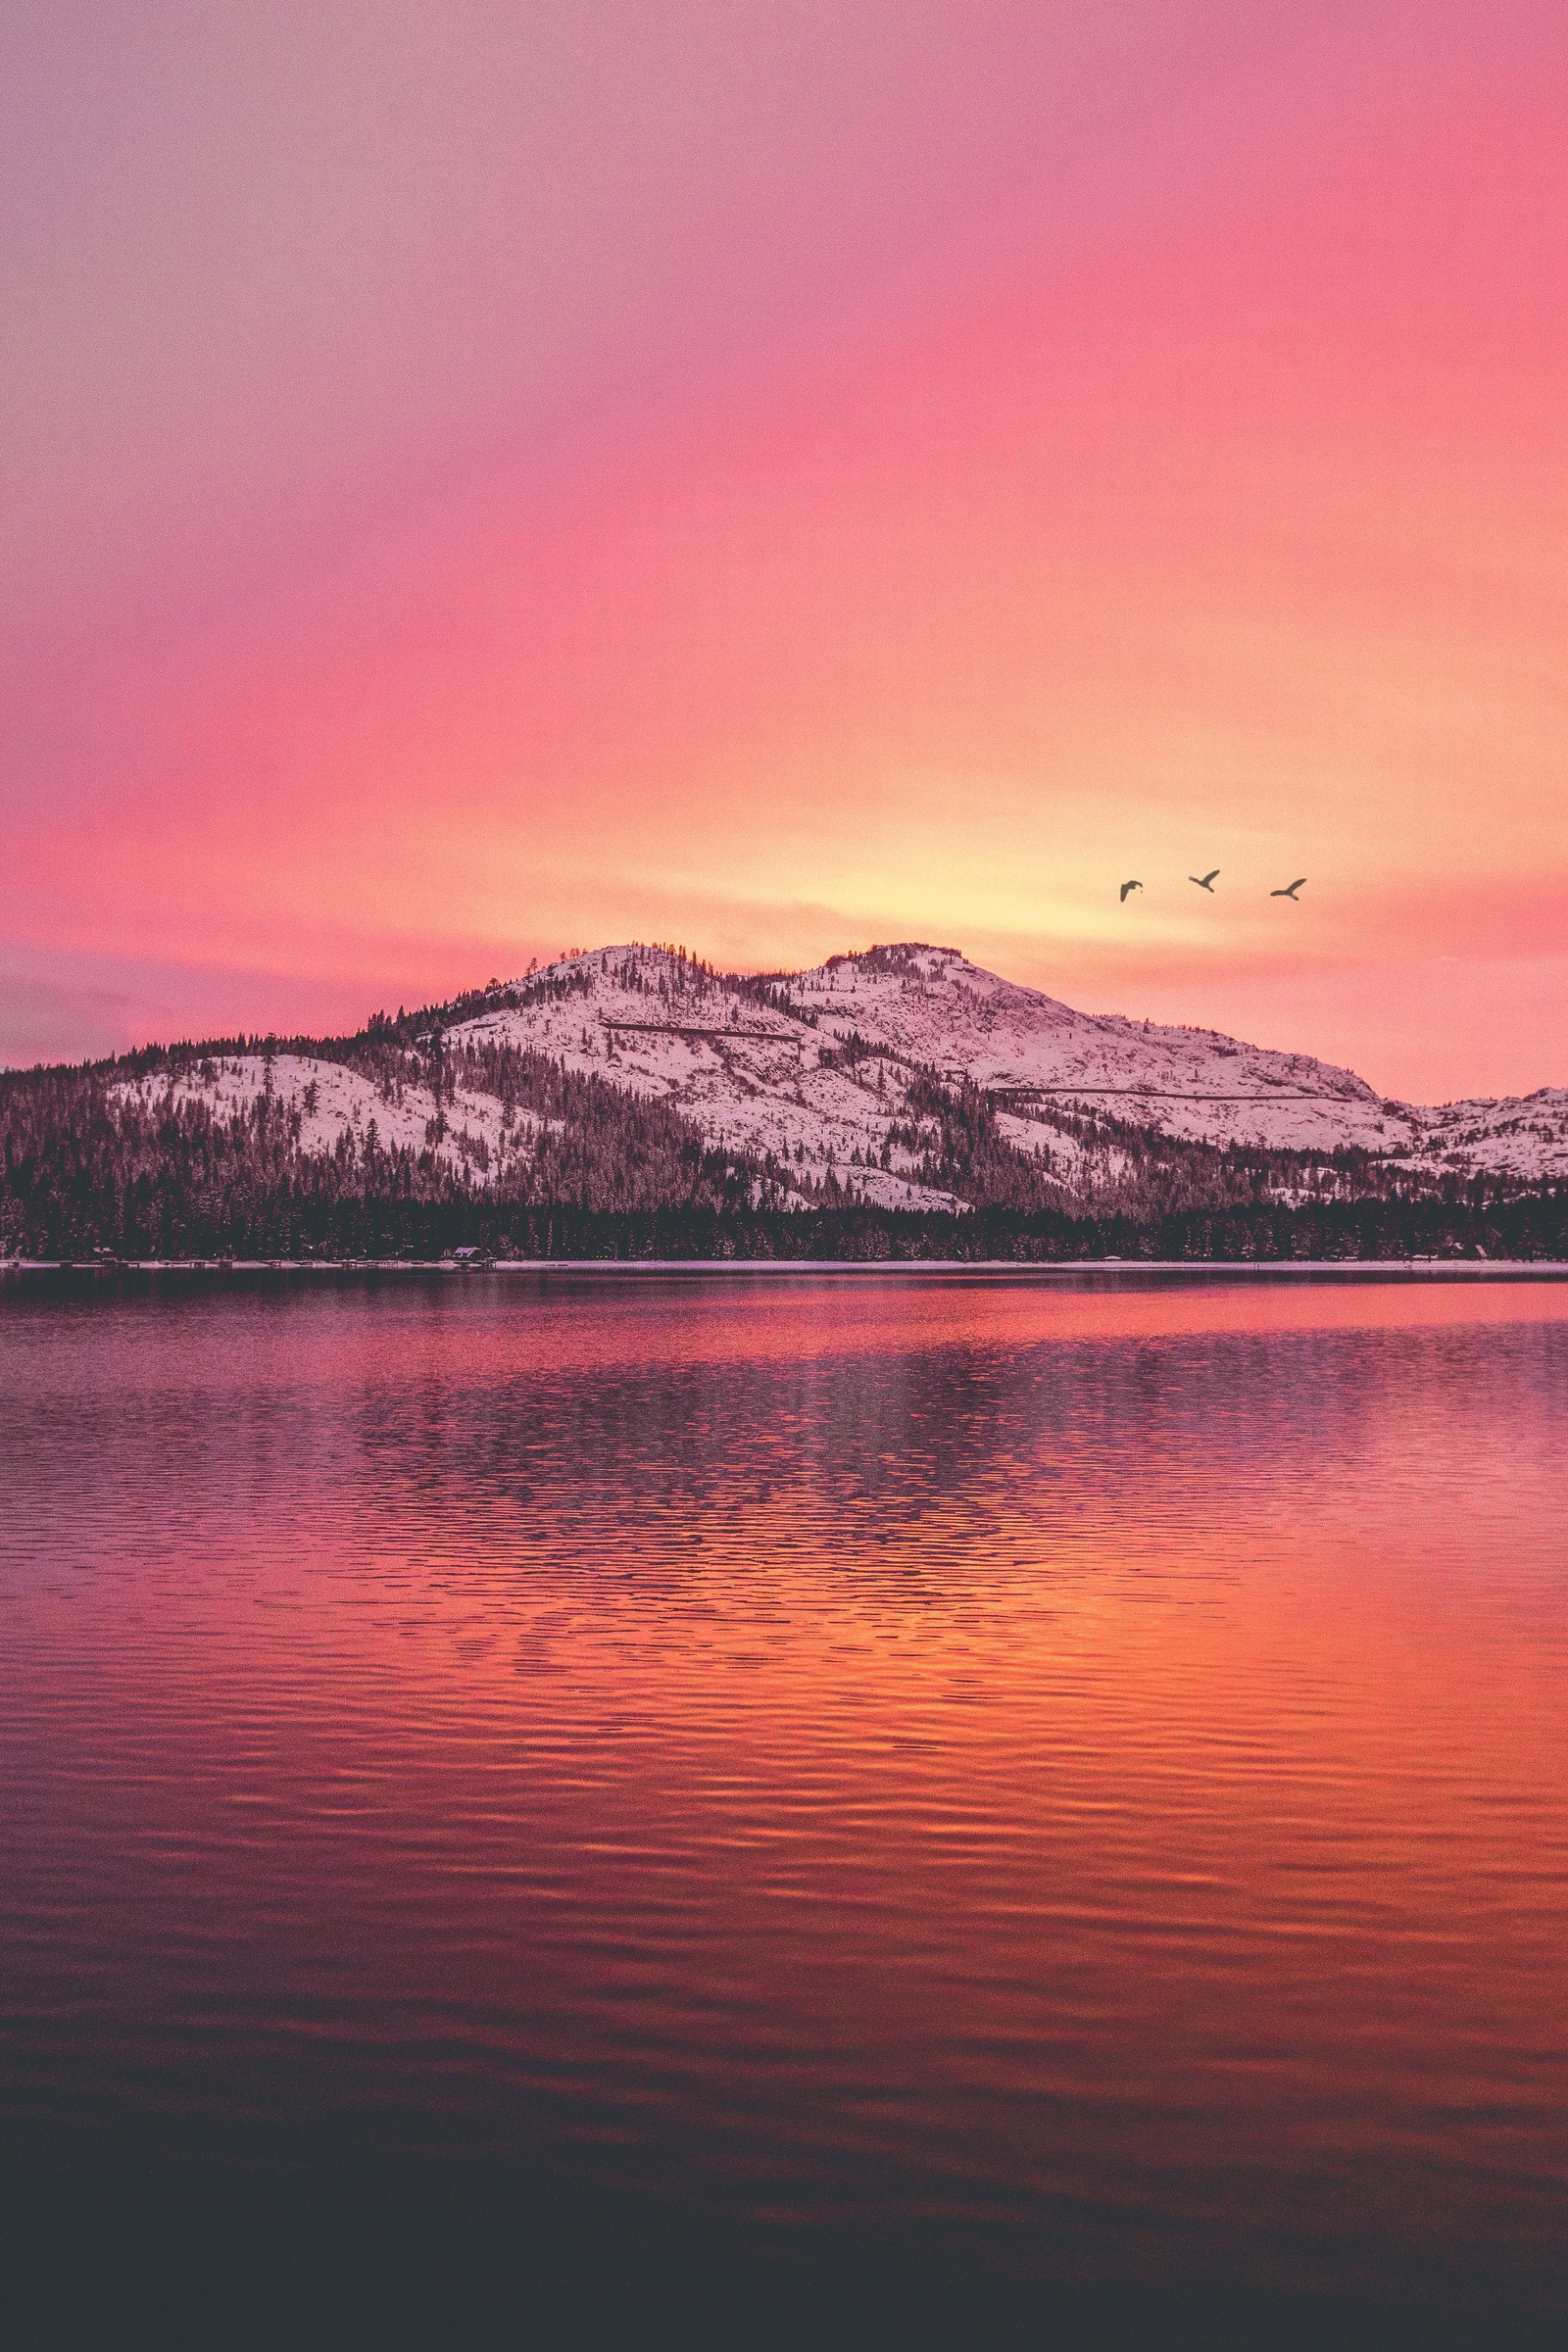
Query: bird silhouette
x,y
1126,887
1204,881
1289,891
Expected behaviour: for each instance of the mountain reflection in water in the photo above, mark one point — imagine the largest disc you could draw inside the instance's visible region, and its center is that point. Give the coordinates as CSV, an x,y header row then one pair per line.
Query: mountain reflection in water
x,y
984,1799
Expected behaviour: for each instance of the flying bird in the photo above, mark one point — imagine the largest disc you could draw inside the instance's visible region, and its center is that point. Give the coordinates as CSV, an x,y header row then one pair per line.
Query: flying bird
x,y
1126,887
1206,881
1289,891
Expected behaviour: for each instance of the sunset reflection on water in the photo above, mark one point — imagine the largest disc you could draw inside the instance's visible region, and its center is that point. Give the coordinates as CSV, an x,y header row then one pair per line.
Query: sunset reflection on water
x,y
992,1784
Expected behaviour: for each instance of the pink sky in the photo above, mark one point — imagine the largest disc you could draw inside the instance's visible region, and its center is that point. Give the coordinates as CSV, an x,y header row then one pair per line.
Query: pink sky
x,y
482,480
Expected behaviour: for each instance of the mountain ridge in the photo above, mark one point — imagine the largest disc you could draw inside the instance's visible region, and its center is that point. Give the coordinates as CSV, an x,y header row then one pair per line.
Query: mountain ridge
x,y
636,1080
913,1003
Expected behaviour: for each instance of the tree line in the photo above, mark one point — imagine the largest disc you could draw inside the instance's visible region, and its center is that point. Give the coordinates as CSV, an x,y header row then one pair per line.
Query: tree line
x,y
114,1159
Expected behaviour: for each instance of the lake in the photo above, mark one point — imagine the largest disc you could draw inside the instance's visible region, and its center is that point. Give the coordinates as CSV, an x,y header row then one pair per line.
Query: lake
x,y
788,1805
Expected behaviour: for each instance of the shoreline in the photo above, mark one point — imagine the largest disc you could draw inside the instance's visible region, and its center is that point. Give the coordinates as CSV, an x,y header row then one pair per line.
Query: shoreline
x,y
1423,1268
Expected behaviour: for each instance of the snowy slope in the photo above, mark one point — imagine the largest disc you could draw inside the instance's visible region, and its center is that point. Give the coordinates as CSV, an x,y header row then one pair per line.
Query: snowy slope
x,y
809,1072
330,1101
1523,1136
753,1079
932,1006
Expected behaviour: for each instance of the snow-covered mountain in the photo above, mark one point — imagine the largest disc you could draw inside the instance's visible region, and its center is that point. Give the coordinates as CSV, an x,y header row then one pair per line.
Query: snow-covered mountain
x,y
809,1066
1032,1052
825,1077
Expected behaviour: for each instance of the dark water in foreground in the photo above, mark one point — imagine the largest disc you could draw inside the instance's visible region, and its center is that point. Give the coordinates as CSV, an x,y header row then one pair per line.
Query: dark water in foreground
x,y
839,1806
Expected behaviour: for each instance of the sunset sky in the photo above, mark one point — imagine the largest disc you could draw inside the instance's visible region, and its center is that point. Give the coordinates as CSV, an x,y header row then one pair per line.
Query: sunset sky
x,y
777,475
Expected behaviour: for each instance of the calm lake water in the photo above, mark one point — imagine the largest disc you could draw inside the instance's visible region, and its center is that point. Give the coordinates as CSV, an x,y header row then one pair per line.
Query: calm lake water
x,y
790,1803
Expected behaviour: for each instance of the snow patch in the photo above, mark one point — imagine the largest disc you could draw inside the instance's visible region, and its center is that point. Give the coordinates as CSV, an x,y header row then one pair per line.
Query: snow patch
x,y
330,1101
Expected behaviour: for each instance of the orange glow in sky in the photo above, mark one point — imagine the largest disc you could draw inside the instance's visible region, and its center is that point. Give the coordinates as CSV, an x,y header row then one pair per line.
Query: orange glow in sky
x,y
784,478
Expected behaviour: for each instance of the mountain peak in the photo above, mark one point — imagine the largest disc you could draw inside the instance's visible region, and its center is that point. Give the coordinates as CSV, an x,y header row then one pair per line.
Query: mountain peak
x,y
909,959
590,964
